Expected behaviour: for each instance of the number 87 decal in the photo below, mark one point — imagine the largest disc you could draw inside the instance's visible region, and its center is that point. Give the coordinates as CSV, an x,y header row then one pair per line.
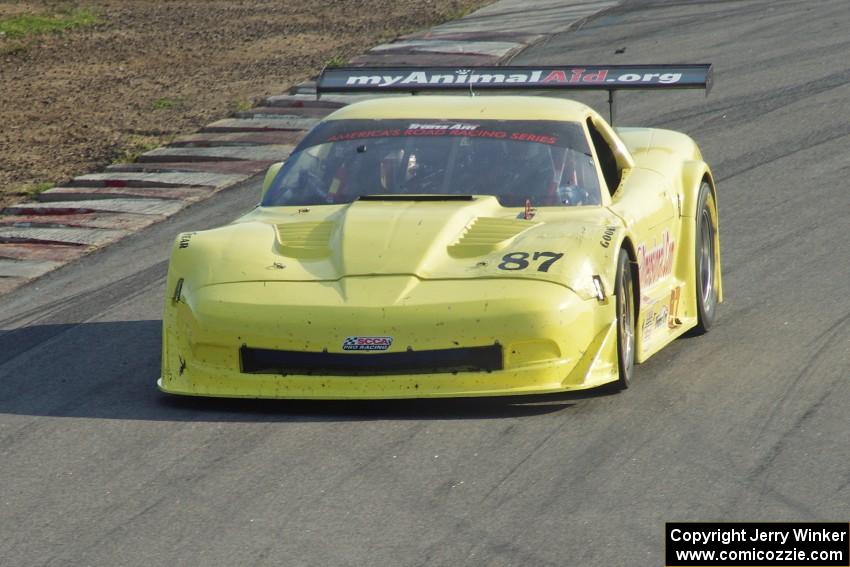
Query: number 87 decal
x,y
519,260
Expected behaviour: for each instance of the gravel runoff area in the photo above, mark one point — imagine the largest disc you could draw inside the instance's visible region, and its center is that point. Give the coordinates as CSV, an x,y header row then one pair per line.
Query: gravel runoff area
x,y
135,73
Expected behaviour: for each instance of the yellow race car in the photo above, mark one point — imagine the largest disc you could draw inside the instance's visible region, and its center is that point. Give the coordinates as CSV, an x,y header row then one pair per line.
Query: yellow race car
x,y
453,245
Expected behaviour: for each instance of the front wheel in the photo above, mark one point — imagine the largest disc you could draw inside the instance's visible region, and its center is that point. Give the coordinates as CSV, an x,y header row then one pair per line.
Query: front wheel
x,y
706,260
624,291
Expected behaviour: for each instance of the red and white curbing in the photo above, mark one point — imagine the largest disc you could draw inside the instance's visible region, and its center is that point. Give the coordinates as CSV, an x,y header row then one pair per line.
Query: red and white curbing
x,y
94,210
97,209
205,154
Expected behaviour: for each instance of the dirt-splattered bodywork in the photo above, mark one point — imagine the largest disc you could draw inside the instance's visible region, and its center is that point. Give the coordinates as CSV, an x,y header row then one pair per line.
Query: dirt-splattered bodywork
x,y
438,298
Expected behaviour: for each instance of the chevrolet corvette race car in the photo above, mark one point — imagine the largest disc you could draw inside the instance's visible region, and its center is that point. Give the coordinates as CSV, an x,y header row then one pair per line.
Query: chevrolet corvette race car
x,y
453,245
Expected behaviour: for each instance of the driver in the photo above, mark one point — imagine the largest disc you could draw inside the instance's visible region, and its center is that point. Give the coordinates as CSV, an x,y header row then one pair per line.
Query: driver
x,y
425,167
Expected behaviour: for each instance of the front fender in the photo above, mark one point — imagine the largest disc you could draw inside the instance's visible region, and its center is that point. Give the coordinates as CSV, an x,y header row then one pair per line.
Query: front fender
x,y
616,237
591,251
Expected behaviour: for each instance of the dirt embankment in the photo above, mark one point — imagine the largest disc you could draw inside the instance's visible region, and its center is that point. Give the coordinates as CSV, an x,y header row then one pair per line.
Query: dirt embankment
x,y
76,100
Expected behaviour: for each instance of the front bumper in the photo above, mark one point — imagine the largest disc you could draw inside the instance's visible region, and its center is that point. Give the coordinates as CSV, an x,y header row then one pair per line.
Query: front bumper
x,y
551,340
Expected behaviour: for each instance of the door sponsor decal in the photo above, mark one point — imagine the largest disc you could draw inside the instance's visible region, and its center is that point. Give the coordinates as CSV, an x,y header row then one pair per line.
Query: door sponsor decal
x,y
655,263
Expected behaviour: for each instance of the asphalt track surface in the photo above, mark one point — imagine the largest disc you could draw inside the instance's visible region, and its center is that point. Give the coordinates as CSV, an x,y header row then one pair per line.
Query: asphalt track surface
x,y
747,423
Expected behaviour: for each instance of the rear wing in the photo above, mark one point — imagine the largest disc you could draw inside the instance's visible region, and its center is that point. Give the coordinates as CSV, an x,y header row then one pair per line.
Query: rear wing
x,y
609,78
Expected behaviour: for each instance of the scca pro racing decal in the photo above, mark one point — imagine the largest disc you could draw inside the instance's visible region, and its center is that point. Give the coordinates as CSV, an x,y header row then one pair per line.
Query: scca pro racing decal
x,y
367,343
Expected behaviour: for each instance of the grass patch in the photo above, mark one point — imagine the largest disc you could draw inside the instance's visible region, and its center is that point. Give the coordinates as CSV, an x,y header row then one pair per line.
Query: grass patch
x,y
165,103
136,146
33,189
336,61
458,13
37,24
241,105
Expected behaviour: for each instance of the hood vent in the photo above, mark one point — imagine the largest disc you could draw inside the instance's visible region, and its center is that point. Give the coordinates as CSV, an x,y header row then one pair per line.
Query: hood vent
x,y
305,239
488,234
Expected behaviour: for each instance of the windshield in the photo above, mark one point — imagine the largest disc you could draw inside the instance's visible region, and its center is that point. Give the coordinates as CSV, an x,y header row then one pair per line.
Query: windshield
x,y
546,162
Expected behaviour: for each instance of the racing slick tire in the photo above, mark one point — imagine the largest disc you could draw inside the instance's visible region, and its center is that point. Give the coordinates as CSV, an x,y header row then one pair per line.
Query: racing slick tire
x,y
706,260
625,296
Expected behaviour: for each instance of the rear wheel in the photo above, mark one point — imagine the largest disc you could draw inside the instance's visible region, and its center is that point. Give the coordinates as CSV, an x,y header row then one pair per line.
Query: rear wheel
x,y
706,260
624,292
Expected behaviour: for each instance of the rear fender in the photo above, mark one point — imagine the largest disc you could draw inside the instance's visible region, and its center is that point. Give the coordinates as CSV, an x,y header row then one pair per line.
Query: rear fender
x,y
693,175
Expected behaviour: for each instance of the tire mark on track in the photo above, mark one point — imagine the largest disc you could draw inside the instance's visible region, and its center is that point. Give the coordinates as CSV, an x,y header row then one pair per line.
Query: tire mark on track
x,y
738,109
775,248
63,315
655,24
539,445
86,301
826,340
463,524
186,471
754,160
813,56
734,473
509,553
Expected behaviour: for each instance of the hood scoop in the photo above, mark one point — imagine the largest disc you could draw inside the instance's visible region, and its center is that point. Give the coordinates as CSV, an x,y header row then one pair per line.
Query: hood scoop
x,y
487,234
305,239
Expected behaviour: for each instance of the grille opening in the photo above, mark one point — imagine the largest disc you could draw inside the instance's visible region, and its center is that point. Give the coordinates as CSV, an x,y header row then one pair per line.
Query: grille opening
x,y
469,359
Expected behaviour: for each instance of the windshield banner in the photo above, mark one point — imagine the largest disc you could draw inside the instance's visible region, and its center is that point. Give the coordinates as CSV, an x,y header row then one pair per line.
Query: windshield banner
x,y
548,132
599,77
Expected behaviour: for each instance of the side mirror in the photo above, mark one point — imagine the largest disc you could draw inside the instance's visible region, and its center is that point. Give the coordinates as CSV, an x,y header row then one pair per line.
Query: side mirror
x,y
271,173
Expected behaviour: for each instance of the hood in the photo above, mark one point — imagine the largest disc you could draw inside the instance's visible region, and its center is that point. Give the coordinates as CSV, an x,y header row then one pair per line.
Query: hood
x,y
450,237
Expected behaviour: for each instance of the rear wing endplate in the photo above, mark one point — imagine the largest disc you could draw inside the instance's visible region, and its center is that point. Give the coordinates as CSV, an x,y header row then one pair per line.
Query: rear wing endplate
x,y
609,78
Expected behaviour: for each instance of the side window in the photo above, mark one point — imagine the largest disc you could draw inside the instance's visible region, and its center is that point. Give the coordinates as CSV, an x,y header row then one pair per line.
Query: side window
x,y
607,161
